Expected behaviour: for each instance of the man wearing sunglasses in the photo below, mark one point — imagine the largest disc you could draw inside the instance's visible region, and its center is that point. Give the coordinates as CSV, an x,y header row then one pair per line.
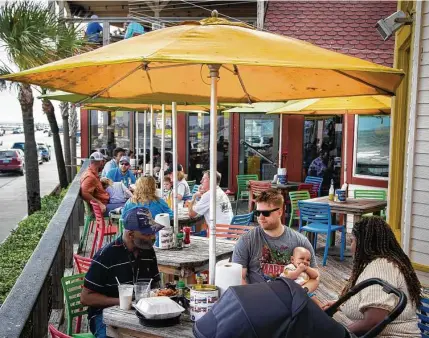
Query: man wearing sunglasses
x,y
123,173
265,250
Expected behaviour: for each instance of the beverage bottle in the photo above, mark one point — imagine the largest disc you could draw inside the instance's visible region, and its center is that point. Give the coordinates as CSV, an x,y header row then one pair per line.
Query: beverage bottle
x,y
331,191
180,240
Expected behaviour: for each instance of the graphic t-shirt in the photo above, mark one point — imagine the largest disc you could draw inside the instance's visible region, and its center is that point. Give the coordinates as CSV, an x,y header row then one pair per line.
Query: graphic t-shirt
x,y
266,257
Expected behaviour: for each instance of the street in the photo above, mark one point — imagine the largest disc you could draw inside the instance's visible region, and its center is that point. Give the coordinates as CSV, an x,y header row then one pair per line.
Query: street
x,y
13,201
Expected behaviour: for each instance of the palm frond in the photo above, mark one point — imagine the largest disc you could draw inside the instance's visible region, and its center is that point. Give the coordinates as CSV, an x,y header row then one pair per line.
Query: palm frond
x,y
6,85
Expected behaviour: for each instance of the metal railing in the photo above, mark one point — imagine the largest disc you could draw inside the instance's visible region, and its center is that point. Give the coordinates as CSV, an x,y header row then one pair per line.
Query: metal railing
x,y
38,291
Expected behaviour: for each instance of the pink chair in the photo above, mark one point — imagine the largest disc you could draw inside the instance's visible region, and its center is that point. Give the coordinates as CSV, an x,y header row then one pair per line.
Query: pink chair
x,y
82,263
55,333
101,230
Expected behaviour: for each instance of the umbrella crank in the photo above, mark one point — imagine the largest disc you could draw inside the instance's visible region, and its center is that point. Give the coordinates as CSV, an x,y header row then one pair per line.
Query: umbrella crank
x,y
214,77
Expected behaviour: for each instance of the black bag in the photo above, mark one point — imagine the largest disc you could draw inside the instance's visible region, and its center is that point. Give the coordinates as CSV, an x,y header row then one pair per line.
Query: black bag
x,y
276,309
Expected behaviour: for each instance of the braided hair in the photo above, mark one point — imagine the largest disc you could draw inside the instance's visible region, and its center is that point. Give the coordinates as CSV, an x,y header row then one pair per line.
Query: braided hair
x,y
375,239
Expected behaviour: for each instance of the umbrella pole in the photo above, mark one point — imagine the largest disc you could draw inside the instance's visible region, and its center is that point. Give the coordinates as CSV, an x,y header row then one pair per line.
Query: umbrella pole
x,y
144,141
174,131
151,141
161,171
137,140
345,124
214,75
280,140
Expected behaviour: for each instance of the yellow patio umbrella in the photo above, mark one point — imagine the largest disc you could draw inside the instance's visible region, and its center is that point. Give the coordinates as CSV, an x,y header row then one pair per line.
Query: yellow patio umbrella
x,y
174,63
359,105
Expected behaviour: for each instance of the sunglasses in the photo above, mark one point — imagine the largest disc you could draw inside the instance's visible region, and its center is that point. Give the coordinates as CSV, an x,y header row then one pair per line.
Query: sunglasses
x,y
265,213
125,164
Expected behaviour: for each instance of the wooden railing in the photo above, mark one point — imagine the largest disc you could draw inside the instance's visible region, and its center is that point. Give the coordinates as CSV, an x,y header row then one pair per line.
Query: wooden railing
x,y
37,292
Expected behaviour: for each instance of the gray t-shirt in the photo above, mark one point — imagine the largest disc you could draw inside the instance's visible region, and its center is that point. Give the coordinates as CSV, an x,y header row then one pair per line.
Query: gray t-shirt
x,y
265,257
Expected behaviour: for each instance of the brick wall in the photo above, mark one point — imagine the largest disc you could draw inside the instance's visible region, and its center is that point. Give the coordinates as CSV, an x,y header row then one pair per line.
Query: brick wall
x,y
347,27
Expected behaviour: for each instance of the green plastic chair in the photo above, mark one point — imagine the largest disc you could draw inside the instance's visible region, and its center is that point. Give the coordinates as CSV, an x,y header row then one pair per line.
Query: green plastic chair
x,y
191,184
89,218
243,189
379,195
72,288
294,197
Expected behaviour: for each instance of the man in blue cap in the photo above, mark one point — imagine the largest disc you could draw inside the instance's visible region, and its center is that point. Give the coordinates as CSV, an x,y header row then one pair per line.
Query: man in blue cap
x,y
129,259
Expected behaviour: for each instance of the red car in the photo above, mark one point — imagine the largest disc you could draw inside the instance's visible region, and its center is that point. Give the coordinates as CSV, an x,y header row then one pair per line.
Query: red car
x,y
12,160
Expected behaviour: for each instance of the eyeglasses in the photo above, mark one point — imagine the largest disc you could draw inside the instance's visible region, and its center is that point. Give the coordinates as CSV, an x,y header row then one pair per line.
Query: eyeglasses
x,y
125,164
265,213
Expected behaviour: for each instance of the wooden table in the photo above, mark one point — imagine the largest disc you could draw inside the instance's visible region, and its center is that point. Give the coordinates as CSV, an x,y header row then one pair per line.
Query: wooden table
x,y
125,324
352,206
355,207
188,261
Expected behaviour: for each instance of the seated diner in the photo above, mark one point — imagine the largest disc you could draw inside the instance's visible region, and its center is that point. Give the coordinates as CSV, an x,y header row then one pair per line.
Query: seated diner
x,y
128,259
377,254
123,173
145,196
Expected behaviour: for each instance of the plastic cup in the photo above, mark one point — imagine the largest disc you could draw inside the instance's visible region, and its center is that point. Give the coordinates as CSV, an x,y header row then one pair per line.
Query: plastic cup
x,y
141,290
125,296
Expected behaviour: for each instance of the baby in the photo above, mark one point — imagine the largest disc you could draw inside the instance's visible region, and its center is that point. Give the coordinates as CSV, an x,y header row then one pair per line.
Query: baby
x,y
299,270
117,191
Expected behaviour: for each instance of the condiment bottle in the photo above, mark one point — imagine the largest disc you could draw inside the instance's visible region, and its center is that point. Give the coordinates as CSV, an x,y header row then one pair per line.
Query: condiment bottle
x,y
199,279
331,191
180,240
187,239
181,295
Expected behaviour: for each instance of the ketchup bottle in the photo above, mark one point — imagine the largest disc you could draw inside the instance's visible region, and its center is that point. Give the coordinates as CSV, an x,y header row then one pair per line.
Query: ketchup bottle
x,y
187,239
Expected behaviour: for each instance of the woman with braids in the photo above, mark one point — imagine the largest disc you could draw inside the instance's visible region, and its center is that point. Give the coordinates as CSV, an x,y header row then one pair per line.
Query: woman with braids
x,y
377,254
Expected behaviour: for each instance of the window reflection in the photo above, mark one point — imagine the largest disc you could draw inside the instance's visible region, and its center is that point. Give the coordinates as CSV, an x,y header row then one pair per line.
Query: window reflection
x,y
199,145
372,146
109,130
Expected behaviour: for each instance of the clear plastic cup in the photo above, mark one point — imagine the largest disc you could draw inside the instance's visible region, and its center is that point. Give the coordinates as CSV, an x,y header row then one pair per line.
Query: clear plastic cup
x,y
141,290
125,296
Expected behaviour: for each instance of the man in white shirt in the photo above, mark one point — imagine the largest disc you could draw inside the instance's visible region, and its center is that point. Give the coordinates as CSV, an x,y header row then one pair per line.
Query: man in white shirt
x,y
202,207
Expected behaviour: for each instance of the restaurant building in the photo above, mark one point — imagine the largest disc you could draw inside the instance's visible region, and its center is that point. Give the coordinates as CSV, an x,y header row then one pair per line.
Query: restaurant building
x,y
342,26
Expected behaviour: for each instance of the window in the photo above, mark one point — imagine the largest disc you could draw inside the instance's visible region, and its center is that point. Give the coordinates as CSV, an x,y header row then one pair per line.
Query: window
x,y
109,130
372,142
199,145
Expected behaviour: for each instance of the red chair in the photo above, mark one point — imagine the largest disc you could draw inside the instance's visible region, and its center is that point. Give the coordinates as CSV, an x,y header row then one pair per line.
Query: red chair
x,y
55,333
311,188
82,263
255,189
101,230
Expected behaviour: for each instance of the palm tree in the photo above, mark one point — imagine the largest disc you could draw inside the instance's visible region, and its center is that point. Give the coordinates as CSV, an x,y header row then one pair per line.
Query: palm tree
x,y
73,131
64,106
68,42
32,36
24,28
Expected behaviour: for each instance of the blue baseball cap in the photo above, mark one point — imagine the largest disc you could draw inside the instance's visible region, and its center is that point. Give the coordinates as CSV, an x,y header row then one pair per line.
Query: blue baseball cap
x,y
140,219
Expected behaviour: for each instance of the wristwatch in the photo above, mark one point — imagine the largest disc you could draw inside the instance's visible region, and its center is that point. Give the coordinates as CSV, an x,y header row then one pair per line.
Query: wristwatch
x,y
305,289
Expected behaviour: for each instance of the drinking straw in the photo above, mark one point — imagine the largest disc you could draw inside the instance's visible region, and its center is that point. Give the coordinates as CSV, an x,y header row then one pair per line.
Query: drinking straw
x,y
117,280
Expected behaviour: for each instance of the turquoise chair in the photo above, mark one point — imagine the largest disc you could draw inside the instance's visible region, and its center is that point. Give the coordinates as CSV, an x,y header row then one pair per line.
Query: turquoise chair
x,y
244,219
316,182
423,315
316,218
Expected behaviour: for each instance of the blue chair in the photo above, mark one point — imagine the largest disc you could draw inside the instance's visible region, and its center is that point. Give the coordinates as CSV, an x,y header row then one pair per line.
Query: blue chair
x,y
316,182
316,218
244,219
195,189
423,315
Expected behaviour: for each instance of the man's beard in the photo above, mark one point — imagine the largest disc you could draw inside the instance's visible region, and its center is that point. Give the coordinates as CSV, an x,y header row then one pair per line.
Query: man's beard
x,y
143,244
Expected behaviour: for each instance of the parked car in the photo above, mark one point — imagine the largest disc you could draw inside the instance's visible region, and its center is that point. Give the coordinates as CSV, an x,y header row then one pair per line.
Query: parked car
x,y
19,145
39,156
12,160
2,132
46,154
17,131
46,130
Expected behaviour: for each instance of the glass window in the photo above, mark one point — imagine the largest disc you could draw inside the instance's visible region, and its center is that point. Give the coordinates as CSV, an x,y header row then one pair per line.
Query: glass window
x,y
157,125
372,140
199,145
109,130
322,149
